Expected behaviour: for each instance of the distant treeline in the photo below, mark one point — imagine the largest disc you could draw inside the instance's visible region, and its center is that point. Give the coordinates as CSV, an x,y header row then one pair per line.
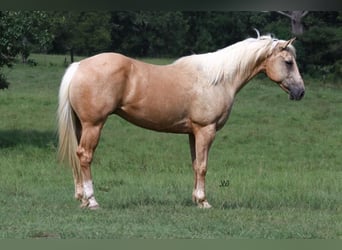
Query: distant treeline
x,y
172,34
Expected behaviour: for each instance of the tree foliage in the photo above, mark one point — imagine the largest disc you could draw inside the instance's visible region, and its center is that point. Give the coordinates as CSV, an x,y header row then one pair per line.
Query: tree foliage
x,y
85,33
21,31
150,33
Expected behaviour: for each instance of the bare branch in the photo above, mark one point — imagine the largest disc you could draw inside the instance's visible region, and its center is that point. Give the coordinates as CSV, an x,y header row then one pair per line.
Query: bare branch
x,y
285,14
305,13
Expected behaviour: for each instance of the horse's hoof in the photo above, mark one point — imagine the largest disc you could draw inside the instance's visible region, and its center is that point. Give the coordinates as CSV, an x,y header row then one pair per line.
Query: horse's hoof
x,y
96,207
204,204
85,205
90,204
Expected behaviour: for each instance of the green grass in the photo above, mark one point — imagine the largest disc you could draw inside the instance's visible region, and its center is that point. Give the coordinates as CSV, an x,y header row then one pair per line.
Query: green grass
x,y
282,160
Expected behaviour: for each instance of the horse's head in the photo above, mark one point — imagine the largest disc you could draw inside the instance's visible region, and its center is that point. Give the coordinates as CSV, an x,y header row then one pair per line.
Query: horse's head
x,y
281,67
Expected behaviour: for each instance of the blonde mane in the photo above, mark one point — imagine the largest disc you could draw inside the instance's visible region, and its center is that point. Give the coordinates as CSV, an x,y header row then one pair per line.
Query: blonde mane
x,y
230,62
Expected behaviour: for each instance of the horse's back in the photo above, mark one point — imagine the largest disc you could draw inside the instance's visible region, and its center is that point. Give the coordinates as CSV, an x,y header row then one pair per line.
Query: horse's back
x,y
113,83
101,58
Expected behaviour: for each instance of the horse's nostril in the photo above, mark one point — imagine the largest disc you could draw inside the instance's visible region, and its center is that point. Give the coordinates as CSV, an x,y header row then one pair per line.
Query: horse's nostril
x,y
297,94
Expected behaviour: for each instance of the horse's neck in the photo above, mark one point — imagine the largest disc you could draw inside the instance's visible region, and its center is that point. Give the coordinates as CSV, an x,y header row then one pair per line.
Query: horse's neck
x,y
231,66
240,76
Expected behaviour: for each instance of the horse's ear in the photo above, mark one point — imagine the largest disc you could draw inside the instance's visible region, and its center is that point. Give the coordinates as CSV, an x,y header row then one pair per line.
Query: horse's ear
x,y
287,43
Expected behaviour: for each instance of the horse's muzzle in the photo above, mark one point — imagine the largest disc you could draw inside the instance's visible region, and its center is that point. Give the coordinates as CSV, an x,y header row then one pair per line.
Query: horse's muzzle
x,y
296,94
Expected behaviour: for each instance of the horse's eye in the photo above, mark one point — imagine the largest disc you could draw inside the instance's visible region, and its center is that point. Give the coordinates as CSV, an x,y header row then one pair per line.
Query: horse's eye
x,y
289,62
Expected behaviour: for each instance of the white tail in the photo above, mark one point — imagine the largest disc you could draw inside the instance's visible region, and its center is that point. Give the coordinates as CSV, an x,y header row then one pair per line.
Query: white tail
x,y
67,126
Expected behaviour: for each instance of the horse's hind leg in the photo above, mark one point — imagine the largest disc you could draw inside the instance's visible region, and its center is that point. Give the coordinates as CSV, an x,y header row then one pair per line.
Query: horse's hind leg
x,y
78,185
78,176
88,142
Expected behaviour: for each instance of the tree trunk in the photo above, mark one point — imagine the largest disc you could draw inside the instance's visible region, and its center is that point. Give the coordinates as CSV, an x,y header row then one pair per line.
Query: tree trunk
x,y
71,55
296,22
296,16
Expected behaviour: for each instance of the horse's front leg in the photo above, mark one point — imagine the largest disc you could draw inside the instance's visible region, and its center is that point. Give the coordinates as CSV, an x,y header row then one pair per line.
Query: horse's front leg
x,y
200,142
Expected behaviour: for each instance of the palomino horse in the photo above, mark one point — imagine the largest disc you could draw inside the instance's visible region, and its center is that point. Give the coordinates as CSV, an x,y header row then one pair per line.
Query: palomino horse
x,y
194,96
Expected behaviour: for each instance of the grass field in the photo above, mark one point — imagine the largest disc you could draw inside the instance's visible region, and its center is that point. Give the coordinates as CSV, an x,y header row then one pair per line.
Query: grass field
x,y
280,161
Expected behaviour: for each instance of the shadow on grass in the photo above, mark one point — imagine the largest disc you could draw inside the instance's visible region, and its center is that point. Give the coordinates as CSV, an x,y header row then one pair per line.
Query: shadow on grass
x,y
135,202
41,139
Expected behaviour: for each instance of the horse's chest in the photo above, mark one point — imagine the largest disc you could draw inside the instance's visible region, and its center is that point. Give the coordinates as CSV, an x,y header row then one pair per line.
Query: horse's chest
x,y
211,108
221,121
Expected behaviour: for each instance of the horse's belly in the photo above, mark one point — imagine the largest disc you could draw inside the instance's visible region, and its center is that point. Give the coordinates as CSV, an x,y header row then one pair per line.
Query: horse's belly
x,y
156,119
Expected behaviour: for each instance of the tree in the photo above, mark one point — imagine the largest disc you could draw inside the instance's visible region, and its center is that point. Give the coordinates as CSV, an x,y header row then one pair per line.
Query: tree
x,y
296,17
322,45
149,33
19,31
83,33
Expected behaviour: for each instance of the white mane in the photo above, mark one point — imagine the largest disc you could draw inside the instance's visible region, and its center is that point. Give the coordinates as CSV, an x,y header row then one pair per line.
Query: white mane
x,y
227,63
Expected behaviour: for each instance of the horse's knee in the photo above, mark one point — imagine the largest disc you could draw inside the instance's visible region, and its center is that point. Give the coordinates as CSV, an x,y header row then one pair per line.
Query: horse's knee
x,y
202,171
200,168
